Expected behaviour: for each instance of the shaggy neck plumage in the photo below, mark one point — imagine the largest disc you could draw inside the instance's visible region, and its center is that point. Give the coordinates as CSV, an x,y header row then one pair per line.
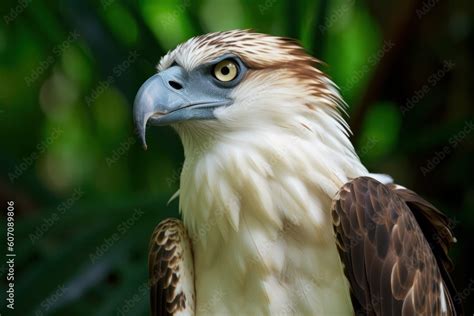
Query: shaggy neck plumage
x,y
272,171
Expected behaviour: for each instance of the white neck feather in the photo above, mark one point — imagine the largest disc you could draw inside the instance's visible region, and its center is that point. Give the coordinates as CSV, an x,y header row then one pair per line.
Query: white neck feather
x,y
266,167
249,194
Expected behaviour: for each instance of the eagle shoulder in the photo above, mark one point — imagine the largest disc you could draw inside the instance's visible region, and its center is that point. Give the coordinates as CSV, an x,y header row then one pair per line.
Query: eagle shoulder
x,y
393,245
170,265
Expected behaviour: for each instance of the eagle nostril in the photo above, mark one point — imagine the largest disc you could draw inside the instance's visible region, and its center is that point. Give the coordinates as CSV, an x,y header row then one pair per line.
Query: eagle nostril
x,y
175,85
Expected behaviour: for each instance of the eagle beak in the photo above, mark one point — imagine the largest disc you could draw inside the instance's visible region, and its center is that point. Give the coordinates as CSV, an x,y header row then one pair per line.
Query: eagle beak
x,y
173,96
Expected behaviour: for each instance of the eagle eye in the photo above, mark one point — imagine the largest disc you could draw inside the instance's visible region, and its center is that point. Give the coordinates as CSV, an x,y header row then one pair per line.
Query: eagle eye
x,y
226,70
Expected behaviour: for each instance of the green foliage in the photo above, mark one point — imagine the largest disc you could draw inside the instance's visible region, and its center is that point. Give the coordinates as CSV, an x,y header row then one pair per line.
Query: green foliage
x,y
379,135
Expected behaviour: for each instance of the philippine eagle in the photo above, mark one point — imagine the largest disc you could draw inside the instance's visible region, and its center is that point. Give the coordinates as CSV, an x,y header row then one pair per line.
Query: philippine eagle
x,y
279,214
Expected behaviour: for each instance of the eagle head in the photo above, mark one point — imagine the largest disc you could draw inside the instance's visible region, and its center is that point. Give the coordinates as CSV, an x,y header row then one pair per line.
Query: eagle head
x,y
227,83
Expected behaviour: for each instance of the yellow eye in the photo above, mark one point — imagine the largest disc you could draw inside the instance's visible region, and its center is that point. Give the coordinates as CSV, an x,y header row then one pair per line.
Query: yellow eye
x,y
226,70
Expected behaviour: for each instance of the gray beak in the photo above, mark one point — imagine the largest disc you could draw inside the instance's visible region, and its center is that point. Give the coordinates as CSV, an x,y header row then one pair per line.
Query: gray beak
x,y
173,96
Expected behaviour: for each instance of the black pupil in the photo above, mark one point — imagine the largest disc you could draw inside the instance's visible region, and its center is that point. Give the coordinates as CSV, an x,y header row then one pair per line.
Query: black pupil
x,y
225,70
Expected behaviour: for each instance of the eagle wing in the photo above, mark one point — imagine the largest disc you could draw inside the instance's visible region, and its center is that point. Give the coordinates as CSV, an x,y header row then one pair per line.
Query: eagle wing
x,y
393,245
170,265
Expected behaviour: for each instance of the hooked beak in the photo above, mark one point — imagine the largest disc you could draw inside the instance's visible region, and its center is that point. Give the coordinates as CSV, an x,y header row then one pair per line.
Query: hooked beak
x,y
173,96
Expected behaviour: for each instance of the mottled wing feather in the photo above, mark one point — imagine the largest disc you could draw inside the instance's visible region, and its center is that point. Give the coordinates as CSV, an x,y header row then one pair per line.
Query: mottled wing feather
x,y
170,268
435,225
391,268
437,229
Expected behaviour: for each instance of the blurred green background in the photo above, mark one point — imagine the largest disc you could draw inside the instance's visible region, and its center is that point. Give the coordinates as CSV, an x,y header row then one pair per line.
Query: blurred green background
x,y
88,197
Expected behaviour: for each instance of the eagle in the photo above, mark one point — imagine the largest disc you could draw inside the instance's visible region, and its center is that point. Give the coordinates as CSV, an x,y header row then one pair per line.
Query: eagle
x,y
279,215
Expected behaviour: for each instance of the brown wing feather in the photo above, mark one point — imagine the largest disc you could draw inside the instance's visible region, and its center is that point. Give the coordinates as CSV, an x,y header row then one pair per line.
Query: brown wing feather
x,y
437,229
170,269
387,256
436,226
